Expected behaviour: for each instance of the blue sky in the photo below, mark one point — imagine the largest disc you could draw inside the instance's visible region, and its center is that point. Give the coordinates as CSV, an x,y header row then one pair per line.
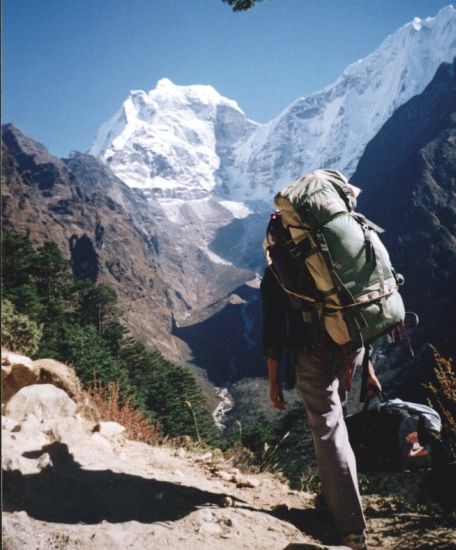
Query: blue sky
x,y
69,64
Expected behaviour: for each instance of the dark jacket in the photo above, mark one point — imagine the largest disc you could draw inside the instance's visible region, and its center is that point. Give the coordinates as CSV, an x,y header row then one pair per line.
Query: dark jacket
x,y
283,325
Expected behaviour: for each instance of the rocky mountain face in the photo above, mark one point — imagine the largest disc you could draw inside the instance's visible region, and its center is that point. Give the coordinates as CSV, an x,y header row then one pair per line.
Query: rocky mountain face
x,y
170,141
112,234
176,143
408,173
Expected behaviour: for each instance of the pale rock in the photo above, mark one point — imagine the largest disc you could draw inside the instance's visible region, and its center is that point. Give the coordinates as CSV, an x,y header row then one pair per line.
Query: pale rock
x,y
101,442
9,358
31,434
60,375
246,482
25,465
109,429
44,401
8,424
211,528
204,516
204,457
226,476
69,430
181,452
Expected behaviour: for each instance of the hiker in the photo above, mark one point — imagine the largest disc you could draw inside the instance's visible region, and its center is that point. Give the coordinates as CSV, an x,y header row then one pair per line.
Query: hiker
x,y
323,373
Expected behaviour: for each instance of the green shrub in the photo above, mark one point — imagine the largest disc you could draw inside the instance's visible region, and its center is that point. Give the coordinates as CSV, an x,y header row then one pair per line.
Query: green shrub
x,y
19,332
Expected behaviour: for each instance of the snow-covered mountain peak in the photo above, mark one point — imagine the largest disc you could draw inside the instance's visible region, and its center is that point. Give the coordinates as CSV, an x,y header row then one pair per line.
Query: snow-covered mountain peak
x,y
167,140
189,142
164,83
194,93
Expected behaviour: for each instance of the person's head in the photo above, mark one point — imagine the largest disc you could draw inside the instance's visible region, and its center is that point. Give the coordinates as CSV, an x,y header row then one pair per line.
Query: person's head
x,y
276,233
277,238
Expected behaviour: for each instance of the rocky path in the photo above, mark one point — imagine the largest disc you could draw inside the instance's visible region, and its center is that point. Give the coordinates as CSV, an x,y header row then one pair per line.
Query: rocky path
x,y
74,483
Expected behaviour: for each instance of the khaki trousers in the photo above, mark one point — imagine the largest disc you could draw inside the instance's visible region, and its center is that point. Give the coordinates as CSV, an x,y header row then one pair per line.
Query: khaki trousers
x,y
320,379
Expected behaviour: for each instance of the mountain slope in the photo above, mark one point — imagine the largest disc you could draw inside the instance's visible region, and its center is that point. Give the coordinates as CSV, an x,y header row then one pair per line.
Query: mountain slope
x,y
44,200
112,234
408,173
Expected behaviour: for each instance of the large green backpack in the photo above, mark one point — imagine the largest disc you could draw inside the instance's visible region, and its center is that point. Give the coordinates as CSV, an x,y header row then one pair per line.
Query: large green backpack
x,y
358,298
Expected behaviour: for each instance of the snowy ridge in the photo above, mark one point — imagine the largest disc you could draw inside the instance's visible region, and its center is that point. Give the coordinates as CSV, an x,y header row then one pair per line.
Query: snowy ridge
x,y
332,127
189,142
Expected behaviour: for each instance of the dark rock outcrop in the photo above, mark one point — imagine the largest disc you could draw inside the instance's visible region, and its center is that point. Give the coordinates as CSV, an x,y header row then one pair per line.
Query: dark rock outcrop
x,y
96,220
408,173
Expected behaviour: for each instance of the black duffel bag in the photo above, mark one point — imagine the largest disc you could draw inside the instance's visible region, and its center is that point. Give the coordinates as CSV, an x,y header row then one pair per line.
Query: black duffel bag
x,y
392,436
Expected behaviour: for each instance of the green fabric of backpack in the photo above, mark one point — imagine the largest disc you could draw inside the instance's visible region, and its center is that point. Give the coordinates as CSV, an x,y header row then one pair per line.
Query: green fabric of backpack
x,y
357,285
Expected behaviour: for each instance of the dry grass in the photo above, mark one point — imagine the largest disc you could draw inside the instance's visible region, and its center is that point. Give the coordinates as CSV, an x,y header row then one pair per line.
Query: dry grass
x,y
111,407
242,458
442,395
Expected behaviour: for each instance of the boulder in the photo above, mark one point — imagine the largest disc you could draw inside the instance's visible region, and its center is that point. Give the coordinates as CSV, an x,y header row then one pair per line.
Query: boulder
x,y
60,375
24,437
43,401
109,429
18,371
71,431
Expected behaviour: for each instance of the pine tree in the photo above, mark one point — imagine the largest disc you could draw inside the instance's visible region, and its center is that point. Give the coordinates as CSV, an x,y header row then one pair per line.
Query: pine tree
x,y
87,351
54,281
18,261
97,305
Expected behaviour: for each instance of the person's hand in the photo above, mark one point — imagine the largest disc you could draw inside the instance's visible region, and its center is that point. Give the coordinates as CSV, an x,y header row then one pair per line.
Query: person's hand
x,y
372,379
276,395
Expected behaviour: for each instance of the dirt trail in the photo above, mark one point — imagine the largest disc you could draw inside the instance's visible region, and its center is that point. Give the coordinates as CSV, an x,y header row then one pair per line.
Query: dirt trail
x,y
73,483
153,497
